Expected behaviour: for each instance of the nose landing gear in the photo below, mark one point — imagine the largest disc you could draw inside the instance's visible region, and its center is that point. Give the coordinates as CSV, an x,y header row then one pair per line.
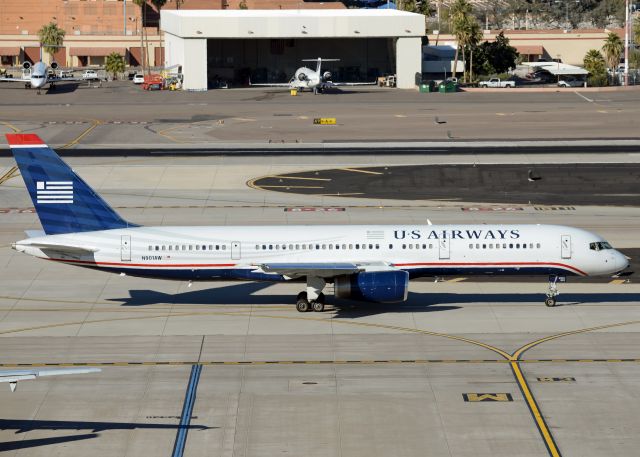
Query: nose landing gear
x,y
552,291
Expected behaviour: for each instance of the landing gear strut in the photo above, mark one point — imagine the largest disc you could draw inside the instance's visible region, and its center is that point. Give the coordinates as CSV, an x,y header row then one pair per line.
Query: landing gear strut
x,y
552,291
313,298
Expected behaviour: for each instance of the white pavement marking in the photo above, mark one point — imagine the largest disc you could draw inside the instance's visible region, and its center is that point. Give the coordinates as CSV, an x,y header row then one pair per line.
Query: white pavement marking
x,y
580,95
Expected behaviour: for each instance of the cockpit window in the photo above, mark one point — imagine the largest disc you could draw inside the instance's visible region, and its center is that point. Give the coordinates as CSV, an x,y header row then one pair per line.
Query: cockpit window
x,y
599,245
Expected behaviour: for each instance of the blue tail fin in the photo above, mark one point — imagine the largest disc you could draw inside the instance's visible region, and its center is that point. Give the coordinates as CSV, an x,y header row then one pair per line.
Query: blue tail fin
x,y
63,201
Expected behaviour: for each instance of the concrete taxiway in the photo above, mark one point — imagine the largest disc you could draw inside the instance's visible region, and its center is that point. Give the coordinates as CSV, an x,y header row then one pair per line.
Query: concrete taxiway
x,y
463,368
121,113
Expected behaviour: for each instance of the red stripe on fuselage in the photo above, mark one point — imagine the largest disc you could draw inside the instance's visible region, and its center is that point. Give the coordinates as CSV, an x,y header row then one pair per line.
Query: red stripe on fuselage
x,y
421,264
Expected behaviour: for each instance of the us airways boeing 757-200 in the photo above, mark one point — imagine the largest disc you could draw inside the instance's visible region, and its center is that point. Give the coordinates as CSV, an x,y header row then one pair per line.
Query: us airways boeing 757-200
x,y
366,262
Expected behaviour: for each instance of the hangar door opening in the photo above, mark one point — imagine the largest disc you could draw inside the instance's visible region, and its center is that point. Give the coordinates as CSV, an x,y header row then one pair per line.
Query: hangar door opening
x,y
237,61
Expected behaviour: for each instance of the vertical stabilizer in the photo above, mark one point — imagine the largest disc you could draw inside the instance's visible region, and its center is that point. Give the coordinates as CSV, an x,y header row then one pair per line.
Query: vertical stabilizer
x,y
63,201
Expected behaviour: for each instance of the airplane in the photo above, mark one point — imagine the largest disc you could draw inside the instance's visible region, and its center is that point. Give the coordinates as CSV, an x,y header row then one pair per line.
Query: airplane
x,y
13,376
39,76
370,263
315,80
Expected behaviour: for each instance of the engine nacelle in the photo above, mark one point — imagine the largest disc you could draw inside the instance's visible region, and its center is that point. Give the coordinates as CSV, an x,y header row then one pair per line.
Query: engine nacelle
x,y
326,76
54,65
378,286
26,65
302,77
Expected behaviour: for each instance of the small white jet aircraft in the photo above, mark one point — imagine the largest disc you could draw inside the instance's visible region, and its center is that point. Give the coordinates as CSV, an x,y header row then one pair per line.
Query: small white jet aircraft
x,y
368,263
315,80
39,76
13,376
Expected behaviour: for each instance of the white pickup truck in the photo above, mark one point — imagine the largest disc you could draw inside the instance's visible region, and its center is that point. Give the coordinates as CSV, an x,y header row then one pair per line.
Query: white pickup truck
x,y
497,82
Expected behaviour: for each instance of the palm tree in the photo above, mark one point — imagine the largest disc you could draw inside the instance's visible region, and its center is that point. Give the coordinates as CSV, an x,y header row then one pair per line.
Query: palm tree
x,y
594,63
613,49
459,17
142,4
470,36
114,64
51,38
159,4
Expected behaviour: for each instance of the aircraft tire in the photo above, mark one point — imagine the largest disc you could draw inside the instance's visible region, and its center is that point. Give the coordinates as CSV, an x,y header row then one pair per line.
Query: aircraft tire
x,y
302,304
317,306
550,302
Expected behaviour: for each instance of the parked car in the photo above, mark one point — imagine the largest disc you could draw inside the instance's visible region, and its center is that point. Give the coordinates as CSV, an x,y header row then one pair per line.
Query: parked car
x,y
497,82
90,75
66,74
138,78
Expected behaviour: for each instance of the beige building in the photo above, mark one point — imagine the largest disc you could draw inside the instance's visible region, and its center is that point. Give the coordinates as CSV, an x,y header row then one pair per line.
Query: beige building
x,y
95,28
568,46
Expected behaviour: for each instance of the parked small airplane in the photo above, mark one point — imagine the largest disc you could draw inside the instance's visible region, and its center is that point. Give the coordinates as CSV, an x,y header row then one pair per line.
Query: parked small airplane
x,y
39,75
315,80
13,376
366,262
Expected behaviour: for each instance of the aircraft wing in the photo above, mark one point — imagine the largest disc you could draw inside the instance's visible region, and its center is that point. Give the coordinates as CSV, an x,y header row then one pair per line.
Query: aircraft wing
x,y
270,84
16,80
331,83
55,79
13,376
322,270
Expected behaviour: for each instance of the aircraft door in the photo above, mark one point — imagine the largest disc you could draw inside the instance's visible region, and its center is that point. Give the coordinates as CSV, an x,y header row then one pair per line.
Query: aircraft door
x,y
444,247
565,246
235,250
125,248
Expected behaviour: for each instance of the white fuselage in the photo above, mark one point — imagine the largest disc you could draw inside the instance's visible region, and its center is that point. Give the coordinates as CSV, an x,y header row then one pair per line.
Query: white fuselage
x,y
39,75
204,253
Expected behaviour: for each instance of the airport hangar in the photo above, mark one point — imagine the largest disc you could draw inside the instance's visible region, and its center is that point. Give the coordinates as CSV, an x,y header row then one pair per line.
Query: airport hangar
x,y
268,45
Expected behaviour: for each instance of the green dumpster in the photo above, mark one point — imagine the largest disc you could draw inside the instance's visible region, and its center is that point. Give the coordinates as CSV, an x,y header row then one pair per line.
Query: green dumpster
x,y
424,88
447,86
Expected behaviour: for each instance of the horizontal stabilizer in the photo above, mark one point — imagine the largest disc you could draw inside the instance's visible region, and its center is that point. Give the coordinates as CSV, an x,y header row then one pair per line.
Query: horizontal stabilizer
x,y
72,249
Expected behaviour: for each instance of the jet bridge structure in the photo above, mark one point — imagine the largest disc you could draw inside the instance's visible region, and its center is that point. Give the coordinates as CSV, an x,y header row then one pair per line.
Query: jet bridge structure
x,y
267,45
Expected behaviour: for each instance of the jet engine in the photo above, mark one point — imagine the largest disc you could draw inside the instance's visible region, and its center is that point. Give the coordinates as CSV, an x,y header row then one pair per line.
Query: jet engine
x,y
26,65
377,286
326,76
54,65
302,77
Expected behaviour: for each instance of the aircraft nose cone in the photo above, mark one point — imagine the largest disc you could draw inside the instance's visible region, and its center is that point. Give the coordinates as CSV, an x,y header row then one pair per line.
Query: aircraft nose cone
x,y
621,261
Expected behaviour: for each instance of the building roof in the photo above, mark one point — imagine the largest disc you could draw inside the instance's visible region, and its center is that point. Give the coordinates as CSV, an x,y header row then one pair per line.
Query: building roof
x,y
253,24
531,50
350,13
95,52
9,50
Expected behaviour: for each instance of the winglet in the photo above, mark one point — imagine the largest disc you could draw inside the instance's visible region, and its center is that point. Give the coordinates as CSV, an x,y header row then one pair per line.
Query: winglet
x,y
17,140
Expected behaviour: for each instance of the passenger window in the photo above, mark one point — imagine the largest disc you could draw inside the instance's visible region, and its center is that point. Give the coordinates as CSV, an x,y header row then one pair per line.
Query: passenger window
x,y
404,246
424,246
430,246
291,247
484,246
170,248
317,247
377,246
357,246
410,246
324,246
351,246
344,246
157,248
197,247
297,247
257,247
224,247
524,246
517,245
538,245
510,245
390,246
151,248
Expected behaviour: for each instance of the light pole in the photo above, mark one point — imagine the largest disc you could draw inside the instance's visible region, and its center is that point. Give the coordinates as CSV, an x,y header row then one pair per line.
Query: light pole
x,y
626,43
566,3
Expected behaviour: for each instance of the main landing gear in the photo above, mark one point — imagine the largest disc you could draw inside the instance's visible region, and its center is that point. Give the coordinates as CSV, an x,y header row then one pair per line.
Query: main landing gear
x,y
313,298
552,291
